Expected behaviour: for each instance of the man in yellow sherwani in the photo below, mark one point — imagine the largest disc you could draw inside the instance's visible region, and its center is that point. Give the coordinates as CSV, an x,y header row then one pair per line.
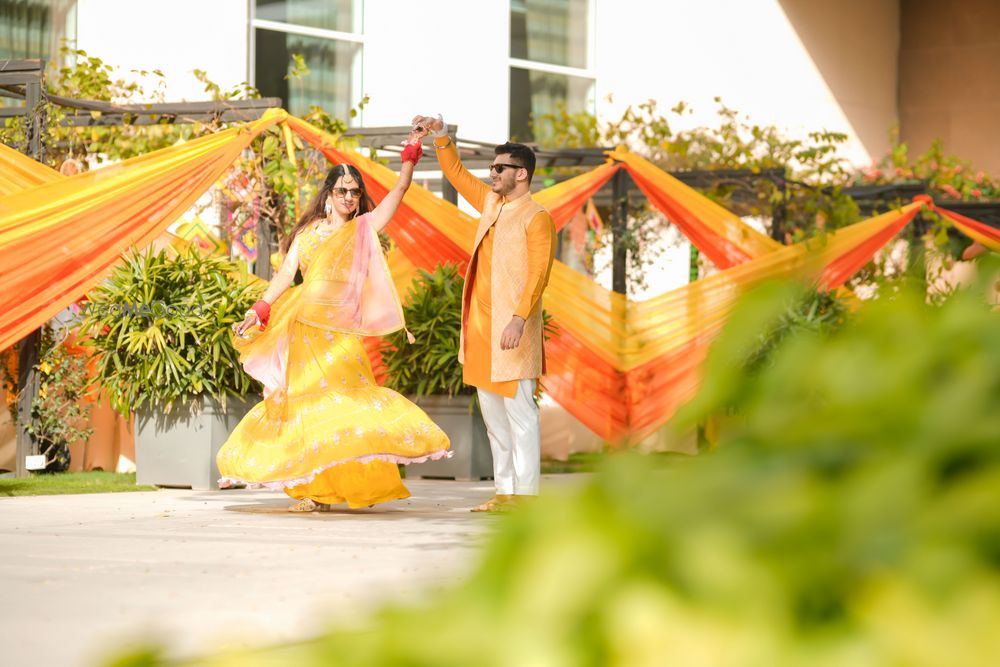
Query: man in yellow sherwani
x,y
501,346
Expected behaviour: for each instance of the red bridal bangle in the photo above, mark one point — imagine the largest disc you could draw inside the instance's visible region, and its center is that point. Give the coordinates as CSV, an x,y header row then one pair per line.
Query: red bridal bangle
x,y
412,153
263,310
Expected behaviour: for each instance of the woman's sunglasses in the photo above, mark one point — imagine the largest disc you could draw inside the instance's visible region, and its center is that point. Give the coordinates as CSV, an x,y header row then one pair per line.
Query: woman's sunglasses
x,y
341,193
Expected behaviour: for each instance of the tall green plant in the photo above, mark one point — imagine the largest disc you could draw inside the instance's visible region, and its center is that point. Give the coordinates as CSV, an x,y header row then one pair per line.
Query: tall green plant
x,y
160,330
433,314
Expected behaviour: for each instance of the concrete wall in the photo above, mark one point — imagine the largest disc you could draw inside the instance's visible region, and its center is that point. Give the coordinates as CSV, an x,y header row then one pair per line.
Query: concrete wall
x,y
854,45
949,79
799,64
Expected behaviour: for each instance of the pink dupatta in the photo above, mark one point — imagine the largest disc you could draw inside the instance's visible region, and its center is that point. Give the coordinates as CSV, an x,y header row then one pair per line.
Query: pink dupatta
x,y
365,304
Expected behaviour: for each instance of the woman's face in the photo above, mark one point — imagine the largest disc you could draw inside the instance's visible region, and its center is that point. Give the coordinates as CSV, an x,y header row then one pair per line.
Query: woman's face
x,y
345,196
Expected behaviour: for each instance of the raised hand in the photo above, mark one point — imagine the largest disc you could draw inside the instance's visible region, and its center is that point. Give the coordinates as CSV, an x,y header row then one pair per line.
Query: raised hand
x,y
428,123
416,134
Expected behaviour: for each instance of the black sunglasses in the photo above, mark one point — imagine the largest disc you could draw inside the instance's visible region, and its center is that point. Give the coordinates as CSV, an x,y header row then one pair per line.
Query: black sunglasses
x,y
498,167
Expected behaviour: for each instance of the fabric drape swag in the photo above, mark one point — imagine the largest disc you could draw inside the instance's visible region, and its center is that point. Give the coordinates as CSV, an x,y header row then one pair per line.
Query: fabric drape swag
x,y
622,367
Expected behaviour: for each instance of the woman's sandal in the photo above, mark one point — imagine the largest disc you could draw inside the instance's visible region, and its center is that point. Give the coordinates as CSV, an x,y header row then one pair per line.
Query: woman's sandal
x,y
309,505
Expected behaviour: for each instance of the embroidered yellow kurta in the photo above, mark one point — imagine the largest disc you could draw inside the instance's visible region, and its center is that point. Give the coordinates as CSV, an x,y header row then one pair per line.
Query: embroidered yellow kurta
x,y
541,243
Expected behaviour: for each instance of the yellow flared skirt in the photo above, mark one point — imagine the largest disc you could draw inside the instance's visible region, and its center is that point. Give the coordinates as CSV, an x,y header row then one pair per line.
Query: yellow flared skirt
x,y
331,434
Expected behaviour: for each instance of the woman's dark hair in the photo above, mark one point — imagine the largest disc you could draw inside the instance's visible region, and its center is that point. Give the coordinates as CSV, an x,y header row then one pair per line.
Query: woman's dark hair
x,y
316,208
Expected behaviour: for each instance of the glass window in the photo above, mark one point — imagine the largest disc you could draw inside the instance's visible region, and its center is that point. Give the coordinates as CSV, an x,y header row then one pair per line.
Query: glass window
x,y
340,15
332,66
35,28
533,93
550,31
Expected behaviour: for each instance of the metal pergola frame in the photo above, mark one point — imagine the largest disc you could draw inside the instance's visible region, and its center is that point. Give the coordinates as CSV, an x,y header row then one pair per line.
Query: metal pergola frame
x,y
23,80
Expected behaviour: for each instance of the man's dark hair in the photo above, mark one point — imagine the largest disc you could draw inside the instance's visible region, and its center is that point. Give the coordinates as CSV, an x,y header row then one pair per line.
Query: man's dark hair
x,y
521,153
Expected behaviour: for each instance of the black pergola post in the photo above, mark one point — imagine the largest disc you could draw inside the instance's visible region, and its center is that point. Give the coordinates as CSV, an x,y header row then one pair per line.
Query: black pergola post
x,y
619,232
29,74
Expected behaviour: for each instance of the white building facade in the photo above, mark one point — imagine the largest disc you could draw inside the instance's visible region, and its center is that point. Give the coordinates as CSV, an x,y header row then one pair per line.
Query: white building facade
x,y
486,64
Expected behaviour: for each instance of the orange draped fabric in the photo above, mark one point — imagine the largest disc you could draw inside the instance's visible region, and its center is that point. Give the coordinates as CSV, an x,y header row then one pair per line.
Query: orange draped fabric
x,y
627,392
720,234
564,200
46,266
621,367
975,230
20,172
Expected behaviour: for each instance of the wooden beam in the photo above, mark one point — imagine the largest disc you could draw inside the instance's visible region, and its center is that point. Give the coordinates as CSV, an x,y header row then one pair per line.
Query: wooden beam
x,y
15,78
28,65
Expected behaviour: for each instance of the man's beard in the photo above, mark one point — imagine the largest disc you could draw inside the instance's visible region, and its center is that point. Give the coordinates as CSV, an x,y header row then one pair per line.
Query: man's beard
x,y
500,188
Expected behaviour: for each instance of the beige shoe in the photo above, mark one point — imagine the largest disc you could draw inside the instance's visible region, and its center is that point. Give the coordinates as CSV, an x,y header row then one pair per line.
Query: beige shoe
x,y
497,503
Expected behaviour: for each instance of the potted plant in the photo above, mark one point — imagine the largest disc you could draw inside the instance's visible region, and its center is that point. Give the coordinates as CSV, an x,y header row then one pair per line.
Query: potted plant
x,y
428,372
159,327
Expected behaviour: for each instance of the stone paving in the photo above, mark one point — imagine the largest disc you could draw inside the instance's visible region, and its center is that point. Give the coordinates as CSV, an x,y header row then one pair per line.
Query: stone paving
x,y
86,575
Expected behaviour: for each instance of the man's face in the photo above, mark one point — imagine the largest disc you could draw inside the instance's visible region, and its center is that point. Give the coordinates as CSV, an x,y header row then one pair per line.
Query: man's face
x,y
504,174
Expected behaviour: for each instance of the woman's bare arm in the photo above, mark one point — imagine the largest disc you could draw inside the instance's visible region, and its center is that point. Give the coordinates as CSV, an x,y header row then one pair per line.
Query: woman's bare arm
x,y
282,280
386,208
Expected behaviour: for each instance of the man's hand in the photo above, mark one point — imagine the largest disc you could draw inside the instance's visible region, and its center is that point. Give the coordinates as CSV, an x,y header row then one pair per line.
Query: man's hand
x,y
435,125
511,336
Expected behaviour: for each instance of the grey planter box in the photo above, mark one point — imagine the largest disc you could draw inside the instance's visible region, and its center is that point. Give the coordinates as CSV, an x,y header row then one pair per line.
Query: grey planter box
x,y
179,449
471,456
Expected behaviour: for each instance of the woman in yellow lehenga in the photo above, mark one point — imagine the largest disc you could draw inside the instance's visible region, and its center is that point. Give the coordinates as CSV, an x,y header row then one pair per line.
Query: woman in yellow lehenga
x,y
325,432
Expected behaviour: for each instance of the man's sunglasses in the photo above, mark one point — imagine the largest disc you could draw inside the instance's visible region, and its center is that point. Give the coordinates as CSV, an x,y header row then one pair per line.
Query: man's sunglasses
x,y
498,167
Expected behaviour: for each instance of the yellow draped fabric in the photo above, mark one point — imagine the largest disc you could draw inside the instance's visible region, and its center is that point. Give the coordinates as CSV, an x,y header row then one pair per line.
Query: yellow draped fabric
x,y
58,239
620,366
715,231
988,236
20,172
564,200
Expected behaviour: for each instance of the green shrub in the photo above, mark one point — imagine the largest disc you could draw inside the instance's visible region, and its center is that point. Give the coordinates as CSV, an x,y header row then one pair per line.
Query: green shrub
x,y
160,330
433,314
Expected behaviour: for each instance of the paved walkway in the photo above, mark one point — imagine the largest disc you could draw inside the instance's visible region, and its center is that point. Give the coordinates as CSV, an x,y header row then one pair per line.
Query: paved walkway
x,y
85,575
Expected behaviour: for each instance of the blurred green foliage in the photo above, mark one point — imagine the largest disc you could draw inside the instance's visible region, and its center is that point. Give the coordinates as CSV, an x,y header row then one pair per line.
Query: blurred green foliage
x,y
433,313
848,517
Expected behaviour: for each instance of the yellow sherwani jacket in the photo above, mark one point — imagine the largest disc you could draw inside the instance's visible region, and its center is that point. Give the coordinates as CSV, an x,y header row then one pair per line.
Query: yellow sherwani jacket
x,y
509,269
